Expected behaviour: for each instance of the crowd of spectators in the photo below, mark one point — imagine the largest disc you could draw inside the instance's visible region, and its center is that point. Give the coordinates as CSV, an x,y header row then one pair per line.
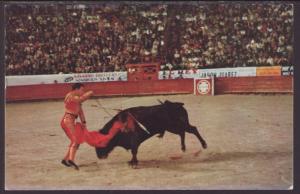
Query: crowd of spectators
x,y
234,35
57,38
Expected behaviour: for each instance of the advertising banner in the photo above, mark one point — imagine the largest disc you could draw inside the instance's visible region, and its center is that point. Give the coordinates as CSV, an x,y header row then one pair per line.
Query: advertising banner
x,y
96,77
287,70
65,78
268,71
206,73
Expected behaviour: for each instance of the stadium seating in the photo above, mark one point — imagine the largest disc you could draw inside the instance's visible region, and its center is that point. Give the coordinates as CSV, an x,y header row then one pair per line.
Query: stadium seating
x,y
57,38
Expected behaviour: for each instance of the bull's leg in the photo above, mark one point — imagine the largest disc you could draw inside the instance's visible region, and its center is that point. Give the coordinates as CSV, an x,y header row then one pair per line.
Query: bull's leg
x,y
194,131
133,162
182,138
134,149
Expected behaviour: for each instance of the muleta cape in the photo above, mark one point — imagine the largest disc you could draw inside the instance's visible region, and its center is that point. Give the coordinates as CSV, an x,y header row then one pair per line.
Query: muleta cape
x,y
94,138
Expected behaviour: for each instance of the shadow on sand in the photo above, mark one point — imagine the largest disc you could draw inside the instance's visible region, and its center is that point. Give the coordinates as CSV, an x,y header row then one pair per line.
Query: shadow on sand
x,y
209,158
203,158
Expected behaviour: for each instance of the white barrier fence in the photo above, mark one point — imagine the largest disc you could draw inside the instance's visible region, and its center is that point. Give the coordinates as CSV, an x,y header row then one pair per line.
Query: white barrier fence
x,y
122,76
65,78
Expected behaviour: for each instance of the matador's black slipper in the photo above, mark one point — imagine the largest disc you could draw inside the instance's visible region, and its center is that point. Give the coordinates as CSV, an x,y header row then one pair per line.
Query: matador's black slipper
x,y
73,164
65,162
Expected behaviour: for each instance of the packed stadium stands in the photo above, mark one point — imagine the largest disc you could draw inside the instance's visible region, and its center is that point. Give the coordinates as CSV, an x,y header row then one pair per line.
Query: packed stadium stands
x,y
64,38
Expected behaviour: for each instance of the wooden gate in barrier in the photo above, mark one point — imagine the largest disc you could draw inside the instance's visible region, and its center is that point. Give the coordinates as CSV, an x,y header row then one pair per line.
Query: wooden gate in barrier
x,y
142,71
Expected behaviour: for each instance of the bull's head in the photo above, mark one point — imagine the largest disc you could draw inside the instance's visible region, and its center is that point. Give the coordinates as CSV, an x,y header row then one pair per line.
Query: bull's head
x,y
118,140
115,141
102,153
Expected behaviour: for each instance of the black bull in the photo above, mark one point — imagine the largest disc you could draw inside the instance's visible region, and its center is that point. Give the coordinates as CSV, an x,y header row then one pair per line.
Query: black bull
x,y
168,116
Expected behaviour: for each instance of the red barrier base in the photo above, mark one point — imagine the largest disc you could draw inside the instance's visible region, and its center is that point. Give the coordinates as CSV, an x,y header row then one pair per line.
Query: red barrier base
x,y
267,84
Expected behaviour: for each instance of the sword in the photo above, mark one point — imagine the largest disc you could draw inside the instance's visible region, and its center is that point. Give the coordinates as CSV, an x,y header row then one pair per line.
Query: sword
x,y
140,124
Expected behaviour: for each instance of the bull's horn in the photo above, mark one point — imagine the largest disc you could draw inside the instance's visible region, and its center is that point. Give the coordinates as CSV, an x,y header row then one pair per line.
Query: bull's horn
x,y
160,101
119,110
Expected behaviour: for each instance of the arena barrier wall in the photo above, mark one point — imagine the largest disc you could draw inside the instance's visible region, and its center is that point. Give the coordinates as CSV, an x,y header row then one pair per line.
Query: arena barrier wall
x,y
263,84
116,88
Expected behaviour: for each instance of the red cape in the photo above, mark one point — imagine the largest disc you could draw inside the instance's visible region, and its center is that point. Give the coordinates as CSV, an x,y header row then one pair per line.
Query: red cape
x,y
94,138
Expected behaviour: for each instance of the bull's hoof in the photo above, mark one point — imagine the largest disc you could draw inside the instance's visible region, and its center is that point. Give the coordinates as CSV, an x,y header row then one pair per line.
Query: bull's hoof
x,y
133,163
102,157
160,135
204,145
183,148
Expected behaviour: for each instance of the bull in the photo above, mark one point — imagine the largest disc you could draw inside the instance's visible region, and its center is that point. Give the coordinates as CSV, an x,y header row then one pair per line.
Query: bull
x,y
148,121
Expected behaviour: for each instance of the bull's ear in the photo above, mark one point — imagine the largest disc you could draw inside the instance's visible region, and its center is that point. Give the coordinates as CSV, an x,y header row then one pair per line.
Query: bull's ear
x,y
167,102
174,103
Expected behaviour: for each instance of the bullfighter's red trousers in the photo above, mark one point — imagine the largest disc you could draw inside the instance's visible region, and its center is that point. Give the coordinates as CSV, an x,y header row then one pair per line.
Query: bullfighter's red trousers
x,y
68,124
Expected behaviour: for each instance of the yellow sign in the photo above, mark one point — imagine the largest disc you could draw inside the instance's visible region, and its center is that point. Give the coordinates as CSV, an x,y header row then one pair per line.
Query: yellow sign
x,y
268,71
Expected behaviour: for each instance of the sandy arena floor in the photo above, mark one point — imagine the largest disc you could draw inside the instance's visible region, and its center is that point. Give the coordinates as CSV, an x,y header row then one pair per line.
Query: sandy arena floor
x,y
249,137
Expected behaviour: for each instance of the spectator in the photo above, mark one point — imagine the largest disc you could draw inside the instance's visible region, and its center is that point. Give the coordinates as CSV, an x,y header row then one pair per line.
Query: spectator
x,y
45,39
